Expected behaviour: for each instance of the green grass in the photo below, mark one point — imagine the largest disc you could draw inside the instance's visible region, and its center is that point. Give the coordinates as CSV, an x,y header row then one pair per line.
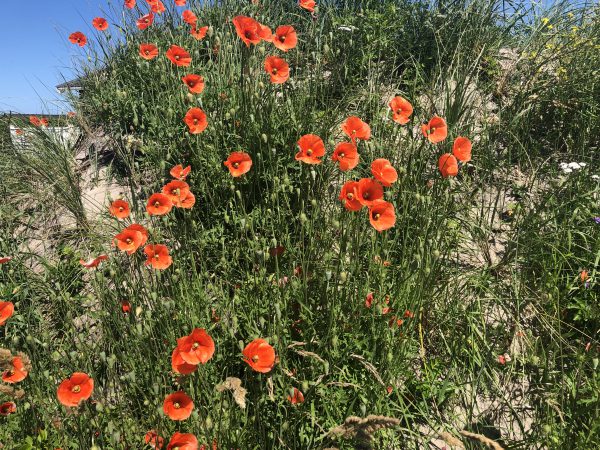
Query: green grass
x,y
488,262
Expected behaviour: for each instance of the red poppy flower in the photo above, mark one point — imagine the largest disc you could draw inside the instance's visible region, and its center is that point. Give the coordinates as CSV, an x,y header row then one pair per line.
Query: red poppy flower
x,y
308,5
179,172
119,209
178,364
157,6
5,259
346,155
401,110
159,205
158,256
356,129
8,408
238,163
296,397
78,38
145,21
100,23
384,172
278,69
71,114
435,130
196,348
16,373
448,165
44,122
462,149
188,202
148,51
368,191
176,190
153,439
125,306
382,215
76,389
195,83
130,4
311,149
259,355
179,56
189,17
247,29
183,441
141,229
285,38
348,196
178,406
93,262
35,121
19,132
196,120
369,300
130,239
6,311
198,33
265,33
180,2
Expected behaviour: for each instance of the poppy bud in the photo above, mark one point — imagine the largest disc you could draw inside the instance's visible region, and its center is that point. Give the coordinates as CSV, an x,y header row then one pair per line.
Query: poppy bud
x,y
232,111
264,138
343,277
313,202
241,345
328,275
285,425
363,409
305,386
334,341
303,217
99,407
436,253
313,174
46,373
16,340
227,116
326,367
208,422
390,357
326,48
277,311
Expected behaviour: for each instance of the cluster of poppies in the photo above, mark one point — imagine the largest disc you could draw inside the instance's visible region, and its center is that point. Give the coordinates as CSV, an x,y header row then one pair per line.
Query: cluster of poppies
x,y
14,368
198,348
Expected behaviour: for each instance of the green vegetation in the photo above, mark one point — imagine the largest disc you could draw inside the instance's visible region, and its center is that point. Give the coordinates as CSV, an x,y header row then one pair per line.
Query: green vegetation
x,y
485,315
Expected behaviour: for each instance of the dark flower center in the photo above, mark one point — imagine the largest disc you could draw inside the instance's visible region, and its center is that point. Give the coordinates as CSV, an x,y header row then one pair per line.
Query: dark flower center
x,y
236,165
376,216
309,152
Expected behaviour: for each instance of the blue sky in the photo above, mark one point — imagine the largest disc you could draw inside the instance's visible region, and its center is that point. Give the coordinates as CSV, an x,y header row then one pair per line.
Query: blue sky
x,y
36,53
